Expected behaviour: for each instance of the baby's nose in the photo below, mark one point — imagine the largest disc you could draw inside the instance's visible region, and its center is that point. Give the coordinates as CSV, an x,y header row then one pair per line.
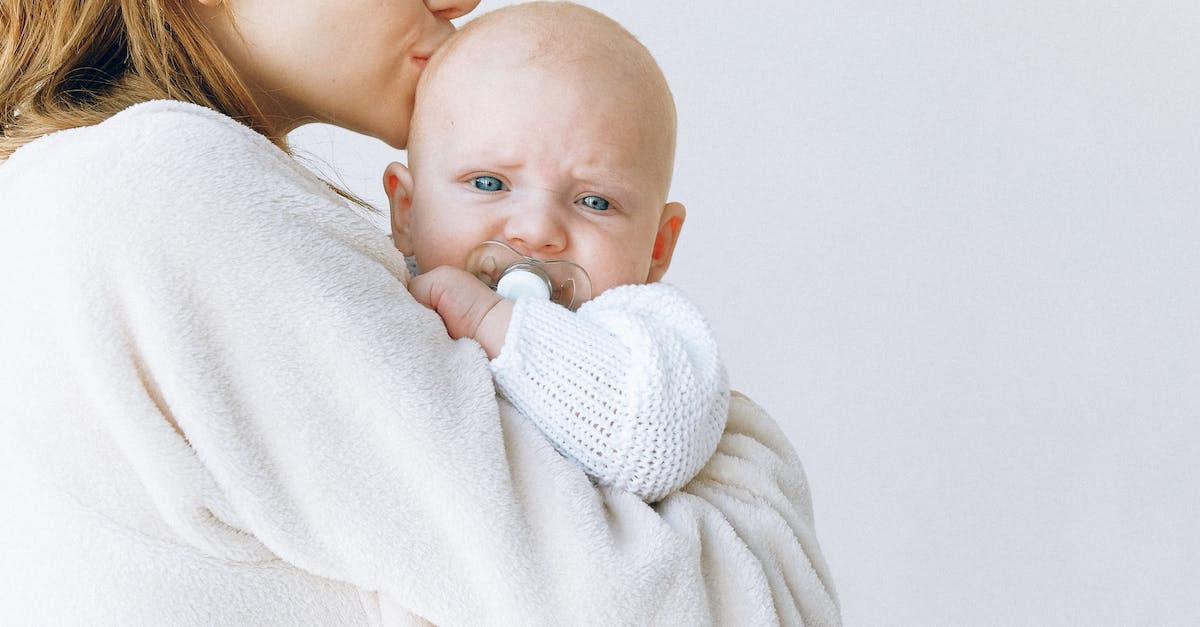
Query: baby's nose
x,y
536,232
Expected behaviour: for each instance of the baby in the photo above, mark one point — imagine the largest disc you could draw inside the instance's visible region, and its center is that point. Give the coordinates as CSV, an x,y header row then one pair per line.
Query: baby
x,y
548,127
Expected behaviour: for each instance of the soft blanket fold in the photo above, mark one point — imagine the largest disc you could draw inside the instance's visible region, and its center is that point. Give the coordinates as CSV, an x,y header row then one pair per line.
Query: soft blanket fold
x,y
219,405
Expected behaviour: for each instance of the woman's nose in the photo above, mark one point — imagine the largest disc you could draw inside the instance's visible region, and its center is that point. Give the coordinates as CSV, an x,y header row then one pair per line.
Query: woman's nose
x,y
450,9
536,232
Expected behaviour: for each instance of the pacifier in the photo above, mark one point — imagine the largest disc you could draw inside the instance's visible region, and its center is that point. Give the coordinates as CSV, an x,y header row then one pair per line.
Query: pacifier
x,y
514,275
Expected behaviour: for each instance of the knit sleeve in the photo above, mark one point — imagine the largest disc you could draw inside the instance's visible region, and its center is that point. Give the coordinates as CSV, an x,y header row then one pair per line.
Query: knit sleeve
x,y
630,387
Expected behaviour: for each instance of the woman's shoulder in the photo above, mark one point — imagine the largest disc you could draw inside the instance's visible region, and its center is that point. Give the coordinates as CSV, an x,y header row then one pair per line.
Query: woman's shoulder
x,y
176,131
177,177
162,156
167,124
159,143
166,114
173,124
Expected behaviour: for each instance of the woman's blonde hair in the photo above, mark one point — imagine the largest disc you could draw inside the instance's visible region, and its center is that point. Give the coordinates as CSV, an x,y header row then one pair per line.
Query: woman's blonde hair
x,y
70,63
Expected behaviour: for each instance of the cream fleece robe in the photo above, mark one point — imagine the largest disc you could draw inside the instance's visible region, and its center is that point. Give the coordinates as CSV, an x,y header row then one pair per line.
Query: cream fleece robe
x,y
219,405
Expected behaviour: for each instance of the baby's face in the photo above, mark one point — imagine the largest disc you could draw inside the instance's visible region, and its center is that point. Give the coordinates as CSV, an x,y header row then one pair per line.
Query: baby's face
x,y
556,172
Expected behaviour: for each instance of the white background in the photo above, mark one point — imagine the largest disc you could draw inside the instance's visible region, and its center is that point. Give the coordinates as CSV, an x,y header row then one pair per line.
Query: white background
x,y
954,248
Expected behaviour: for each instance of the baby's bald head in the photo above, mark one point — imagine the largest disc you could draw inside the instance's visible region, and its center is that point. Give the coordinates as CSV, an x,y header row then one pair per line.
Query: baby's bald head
x,y
576,49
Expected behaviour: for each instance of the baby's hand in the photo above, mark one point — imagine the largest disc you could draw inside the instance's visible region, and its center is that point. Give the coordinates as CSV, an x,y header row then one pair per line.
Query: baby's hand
x,y
467,306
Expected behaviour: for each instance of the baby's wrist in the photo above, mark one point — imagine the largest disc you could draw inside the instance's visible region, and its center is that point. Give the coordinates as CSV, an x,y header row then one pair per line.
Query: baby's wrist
x,y
494,327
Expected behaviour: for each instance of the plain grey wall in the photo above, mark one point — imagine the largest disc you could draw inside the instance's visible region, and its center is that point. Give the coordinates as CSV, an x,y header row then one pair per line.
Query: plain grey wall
x,y
953,248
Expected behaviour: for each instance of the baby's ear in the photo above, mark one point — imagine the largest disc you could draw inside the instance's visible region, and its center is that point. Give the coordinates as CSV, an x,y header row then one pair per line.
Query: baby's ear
x,y
398,185
669,226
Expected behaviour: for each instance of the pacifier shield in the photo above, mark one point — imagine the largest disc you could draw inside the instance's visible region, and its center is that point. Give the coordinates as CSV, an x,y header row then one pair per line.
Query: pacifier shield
x,y
514,275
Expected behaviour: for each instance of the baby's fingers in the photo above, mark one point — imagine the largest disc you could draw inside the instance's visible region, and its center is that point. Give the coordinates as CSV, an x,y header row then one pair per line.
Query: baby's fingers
x,y
421,287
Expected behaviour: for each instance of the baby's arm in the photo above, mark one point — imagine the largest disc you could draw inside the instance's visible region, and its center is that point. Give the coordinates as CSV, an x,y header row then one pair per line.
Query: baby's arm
x,y
631,386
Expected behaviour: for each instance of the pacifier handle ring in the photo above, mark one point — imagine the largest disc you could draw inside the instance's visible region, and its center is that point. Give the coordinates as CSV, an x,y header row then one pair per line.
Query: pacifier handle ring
x,y
523,280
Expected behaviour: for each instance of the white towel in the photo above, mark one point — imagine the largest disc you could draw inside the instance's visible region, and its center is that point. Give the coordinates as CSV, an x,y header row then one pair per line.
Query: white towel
x,y
219,405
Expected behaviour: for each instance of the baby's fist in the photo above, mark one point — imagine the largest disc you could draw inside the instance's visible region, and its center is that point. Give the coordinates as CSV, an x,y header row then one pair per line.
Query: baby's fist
x,y
467,306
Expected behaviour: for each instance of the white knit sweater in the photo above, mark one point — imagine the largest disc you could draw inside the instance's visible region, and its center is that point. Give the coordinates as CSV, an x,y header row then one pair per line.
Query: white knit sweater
x,y
630,386
219,405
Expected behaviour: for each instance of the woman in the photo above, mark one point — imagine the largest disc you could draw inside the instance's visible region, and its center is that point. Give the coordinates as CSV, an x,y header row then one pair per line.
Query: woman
x,y
221,406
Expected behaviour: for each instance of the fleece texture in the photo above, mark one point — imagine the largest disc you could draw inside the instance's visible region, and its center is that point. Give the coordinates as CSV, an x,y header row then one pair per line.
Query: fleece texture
x,y
219,405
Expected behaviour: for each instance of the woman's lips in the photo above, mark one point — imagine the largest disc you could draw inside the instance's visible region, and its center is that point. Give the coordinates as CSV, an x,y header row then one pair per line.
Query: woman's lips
x,y
421,61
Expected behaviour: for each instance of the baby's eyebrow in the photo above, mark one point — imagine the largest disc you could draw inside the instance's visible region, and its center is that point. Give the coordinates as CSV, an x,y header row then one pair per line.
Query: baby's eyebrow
x,y
476,165
490,157
616,179
505,161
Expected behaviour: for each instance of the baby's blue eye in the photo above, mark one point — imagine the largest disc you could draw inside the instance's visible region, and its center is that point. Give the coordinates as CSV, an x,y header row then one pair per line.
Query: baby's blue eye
x,y
594,202
488,183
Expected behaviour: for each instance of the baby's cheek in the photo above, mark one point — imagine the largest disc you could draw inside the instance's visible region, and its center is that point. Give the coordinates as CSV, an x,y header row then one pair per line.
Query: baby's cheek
x,y
612,277
430,255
